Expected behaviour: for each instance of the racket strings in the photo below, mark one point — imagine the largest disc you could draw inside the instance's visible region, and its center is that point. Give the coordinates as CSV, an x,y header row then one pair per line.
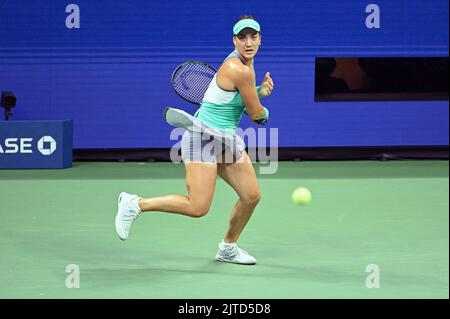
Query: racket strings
x,y
191,81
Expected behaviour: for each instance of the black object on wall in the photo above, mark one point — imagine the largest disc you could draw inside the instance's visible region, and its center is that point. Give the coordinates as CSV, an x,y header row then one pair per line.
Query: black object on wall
x,y
8,101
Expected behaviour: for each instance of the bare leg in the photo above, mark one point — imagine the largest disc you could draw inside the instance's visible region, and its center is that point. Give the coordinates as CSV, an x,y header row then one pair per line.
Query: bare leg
x,y
200,182
242,177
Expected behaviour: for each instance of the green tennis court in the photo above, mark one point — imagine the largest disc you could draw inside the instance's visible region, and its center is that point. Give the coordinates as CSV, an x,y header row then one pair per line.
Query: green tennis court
x,y
394,215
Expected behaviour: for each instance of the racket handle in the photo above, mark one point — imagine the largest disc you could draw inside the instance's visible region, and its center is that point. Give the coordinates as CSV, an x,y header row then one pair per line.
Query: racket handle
x,y
261,122
263,119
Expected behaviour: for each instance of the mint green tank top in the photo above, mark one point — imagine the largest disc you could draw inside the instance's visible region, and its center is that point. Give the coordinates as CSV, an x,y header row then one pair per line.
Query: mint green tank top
x,y
221,109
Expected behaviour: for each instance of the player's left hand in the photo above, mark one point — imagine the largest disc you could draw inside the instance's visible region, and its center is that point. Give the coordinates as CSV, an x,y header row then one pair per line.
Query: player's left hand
x,y
266,86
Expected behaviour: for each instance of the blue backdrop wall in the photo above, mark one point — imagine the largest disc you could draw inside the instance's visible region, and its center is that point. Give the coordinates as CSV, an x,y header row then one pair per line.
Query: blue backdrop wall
x,y
111,75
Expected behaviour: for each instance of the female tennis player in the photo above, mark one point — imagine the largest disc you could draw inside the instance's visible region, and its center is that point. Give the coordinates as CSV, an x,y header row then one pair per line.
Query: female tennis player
x,y
231,93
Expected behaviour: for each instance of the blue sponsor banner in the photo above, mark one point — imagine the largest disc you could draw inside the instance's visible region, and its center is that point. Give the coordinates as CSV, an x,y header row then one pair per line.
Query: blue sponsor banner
x,y
36,144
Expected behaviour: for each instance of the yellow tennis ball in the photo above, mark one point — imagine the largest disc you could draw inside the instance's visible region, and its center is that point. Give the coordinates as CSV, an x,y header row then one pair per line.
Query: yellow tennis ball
x,y
301,196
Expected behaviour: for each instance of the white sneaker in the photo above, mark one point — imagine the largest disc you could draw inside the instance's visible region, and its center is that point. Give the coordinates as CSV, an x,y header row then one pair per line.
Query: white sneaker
x,y
233,254
127,212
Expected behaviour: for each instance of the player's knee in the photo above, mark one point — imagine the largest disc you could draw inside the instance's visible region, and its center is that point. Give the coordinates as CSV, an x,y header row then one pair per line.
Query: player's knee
x,y
252,198
199,210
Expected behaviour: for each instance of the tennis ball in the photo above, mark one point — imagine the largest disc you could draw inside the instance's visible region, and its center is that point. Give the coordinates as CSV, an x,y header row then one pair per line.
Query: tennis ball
x,y
301,196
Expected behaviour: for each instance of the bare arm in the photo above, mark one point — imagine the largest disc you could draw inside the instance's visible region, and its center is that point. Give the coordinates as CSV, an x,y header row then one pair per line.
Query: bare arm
x,y
244,79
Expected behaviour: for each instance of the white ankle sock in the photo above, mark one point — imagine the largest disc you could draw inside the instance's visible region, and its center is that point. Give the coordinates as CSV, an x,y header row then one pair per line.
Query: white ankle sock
x,y
135,203
227,244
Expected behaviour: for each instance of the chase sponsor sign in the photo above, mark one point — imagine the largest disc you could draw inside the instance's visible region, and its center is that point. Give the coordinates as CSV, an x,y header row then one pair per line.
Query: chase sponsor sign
x,y
36,144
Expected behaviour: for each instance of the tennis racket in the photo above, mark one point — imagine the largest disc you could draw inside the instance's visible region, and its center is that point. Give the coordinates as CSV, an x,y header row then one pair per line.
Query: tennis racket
x,y
191,79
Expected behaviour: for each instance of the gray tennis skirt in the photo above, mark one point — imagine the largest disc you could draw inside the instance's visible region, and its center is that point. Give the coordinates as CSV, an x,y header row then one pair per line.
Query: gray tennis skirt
x,y
200,147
